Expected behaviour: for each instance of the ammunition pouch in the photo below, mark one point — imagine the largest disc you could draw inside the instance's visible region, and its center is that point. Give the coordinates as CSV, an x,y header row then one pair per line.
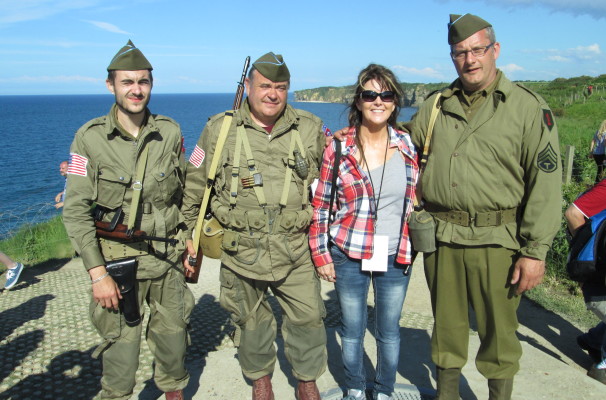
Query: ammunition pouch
x,y
270,220
481,219
114,250
124,273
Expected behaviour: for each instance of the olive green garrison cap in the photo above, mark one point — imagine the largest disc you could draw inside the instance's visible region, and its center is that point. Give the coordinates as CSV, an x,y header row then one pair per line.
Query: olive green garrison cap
x,y
463,26
273,67
129,58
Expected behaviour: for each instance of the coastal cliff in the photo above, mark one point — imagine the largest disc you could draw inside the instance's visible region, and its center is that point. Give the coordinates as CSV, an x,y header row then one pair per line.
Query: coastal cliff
x,y
414,93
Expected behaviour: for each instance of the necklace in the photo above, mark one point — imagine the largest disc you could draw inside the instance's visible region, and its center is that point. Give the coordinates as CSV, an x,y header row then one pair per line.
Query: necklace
x,y
377,200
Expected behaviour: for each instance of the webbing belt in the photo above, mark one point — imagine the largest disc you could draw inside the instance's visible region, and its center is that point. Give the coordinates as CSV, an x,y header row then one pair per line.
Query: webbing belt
x,y
481,219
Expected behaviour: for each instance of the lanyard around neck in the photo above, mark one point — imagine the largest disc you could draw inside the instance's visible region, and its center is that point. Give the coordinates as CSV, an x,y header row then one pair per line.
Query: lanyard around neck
x,y
376,199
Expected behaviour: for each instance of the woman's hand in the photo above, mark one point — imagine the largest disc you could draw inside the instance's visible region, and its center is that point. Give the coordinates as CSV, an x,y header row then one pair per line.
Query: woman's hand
x,y
327,272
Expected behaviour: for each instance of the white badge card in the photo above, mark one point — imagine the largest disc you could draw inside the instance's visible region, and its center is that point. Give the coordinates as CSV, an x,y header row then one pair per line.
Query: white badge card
x,y
378,261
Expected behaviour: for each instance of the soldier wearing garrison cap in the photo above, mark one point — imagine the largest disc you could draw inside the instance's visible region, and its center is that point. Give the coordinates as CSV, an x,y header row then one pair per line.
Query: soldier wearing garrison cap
x,y
262,202
130,164
492,183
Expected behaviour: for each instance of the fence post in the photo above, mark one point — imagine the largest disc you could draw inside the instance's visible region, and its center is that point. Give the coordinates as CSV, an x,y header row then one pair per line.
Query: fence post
x,y
568,158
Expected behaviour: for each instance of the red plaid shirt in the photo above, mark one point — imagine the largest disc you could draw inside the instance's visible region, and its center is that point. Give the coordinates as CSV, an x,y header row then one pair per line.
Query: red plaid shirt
x,y
354,225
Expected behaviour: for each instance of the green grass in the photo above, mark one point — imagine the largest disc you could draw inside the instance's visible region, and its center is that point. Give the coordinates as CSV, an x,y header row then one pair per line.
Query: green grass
x,y
34,244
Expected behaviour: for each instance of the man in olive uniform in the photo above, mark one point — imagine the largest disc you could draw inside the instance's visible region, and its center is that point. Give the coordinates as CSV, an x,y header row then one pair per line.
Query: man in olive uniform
x,y
262,201
493,184
113,157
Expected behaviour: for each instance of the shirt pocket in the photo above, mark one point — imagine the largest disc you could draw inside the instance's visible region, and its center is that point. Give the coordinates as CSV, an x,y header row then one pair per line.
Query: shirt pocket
x,y
168,178
112,182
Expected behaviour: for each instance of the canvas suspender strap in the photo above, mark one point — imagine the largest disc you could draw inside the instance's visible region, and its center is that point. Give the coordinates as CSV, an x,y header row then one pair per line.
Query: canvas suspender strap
x,y
432,121
137,187
235,170
212,173
252,169
295,139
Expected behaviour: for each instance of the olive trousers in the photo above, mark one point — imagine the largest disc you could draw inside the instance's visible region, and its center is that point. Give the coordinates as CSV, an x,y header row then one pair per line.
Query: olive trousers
x,y
459,277
170,302
302,328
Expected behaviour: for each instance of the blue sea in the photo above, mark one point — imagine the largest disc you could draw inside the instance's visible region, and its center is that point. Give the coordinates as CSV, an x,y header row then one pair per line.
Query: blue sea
x,y
36,132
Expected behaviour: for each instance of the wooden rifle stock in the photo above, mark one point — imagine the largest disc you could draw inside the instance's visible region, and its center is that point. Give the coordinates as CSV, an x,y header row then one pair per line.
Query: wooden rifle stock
x,y
120,232
192,277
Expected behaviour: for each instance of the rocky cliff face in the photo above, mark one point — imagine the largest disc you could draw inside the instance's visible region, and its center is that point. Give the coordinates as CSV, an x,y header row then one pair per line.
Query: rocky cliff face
x,y
414,94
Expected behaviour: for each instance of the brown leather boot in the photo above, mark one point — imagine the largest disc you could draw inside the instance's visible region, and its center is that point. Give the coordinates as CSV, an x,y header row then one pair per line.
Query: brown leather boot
x,y
262,389
447,381
176,395
307,390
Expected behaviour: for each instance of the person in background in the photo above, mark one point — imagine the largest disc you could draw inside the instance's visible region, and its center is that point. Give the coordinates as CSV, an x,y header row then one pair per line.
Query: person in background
x,y
597,150
112,157
586,206
490,134
262,201
13,271
60,197
368,239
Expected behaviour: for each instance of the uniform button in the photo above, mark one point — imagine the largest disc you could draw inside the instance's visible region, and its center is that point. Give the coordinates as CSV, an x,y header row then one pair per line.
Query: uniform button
x,y
455,154
456,126
121,178
162,174
454,185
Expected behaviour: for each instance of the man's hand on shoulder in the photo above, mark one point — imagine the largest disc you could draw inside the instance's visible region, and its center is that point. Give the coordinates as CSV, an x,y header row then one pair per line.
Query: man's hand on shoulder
x,y
527,273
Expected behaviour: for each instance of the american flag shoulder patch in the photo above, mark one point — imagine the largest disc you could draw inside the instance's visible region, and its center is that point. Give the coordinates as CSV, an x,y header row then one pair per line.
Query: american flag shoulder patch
x,y
77,164
326,131
197,157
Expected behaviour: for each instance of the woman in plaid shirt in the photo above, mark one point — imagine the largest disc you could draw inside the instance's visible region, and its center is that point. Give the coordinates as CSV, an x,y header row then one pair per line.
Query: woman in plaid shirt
x,y
368,239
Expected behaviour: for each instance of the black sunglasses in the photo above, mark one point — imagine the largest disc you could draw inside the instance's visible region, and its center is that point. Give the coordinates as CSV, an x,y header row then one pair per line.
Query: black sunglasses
x,y
371,95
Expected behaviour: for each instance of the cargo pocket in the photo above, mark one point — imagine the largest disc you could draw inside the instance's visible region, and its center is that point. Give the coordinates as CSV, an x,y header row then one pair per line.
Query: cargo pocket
x,y
229,298
105,321
247,249
111,185
297,245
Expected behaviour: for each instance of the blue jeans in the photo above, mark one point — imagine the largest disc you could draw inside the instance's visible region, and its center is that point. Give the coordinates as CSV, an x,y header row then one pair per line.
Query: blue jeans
x,y
352,291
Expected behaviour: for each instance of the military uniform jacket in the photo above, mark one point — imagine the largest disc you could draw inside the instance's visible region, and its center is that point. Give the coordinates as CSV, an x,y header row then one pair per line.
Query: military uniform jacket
x,y
259,243
507,157
103,163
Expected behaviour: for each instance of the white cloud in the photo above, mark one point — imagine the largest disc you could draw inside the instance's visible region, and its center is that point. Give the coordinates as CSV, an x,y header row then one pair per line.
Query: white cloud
x,y
594,8
510,68
106,26
559,59
424,72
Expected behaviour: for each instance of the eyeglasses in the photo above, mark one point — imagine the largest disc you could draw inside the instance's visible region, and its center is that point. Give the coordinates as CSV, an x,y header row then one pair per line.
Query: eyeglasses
x,y
370,96
477,52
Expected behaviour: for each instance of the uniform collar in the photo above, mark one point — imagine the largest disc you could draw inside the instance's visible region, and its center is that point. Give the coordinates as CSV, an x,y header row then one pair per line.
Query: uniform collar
x,y
114,128
288,118
500,88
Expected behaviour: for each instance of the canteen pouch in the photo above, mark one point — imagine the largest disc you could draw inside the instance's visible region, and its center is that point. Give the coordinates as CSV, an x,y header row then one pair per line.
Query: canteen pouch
x,y
422,231
124,273
211,237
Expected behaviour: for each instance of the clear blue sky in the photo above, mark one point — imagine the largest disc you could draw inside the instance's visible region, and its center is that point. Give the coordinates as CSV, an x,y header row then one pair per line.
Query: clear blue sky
x,y
64,46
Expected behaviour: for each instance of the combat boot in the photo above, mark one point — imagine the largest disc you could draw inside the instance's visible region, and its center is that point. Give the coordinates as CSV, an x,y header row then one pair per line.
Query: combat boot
x,y
176,395
307,390
448,383
500,389
262,389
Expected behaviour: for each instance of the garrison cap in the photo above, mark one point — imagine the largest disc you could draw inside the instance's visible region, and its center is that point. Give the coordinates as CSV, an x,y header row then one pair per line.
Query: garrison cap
x,y
273,67
461,27
129,58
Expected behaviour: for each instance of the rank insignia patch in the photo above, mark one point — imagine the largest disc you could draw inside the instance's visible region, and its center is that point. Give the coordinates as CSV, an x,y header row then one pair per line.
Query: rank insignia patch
x,y
548,159
548,118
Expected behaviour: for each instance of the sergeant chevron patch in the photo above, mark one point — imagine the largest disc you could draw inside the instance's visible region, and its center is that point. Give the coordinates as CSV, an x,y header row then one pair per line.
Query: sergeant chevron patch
x,y
548,159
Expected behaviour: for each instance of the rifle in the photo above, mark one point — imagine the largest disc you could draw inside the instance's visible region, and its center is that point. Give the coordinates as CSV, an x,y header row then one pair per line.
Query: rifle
x,y
121,232
116,231
192,277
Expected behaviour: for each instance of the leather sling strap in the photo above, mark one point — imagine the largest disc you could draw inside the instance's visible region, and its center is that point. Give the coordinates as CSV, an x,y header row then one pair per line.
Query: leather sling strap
x,y
137,187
